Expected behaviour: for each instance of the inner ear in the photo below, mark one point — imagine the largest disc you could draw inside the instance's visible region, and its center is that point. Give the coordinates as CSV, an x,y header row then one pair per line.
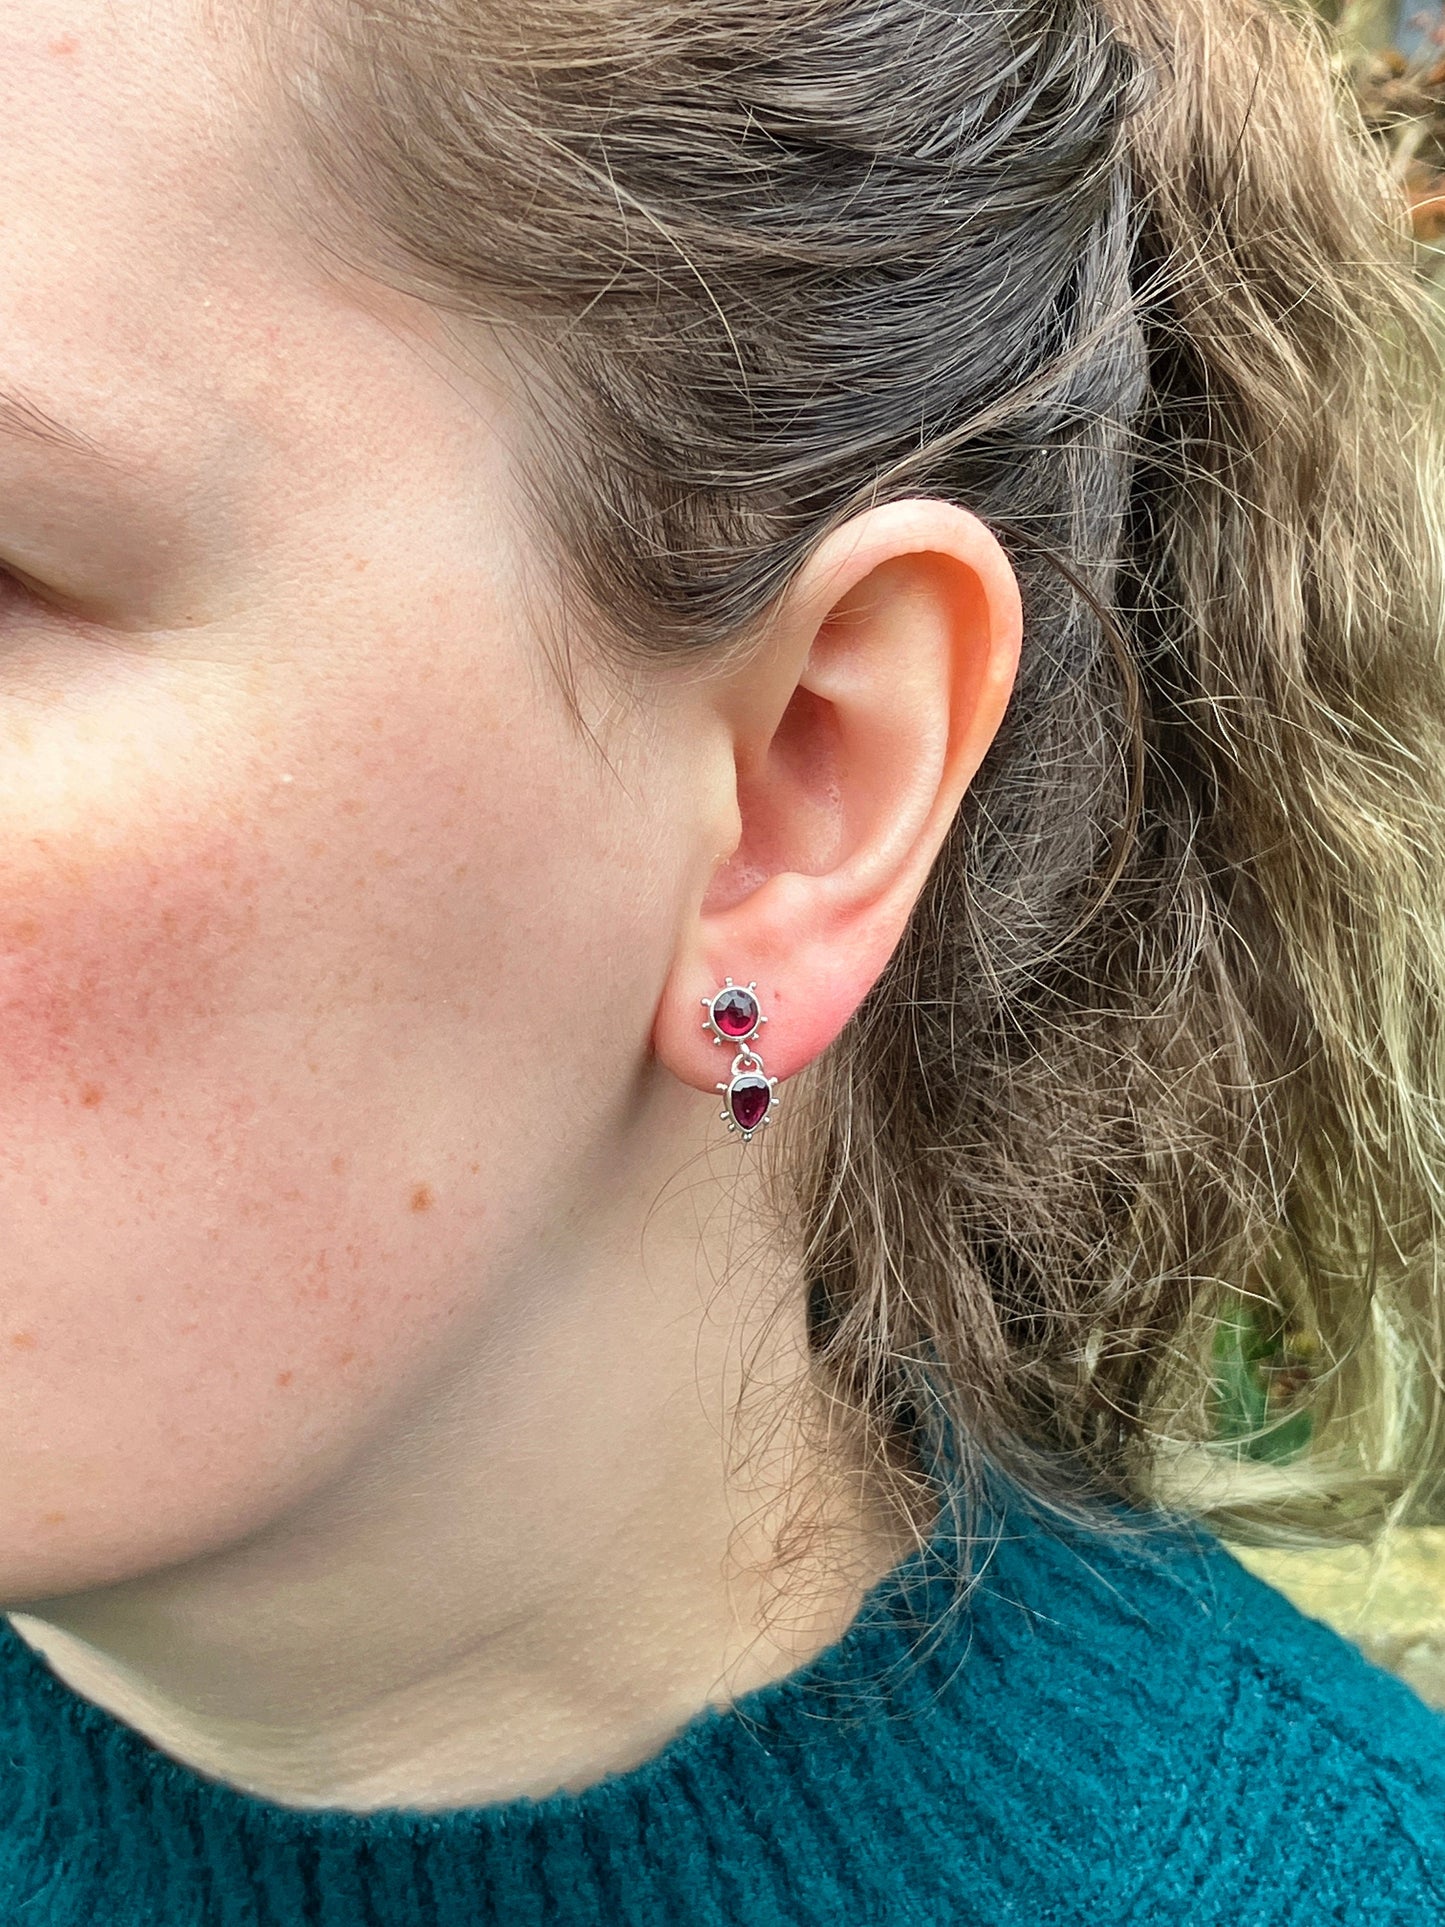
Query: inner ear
x,y
791,799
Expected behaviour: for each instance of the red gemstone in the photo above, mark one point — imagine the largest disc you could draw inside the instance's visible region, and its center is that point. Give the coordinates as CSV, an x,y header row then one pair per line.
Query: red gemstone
x,y
748,1098
735,1012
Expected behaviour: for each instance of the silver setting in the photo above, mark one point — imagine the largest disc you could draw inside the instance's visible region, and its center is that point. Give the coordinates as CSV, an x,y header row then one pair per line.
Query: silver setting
x,y
710,1023
747,1063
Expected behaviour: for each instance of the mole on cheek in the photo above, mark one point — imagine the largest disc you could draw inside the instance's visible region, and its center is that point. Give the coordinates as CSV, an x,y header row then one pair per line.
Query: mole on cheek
x,y
421,1198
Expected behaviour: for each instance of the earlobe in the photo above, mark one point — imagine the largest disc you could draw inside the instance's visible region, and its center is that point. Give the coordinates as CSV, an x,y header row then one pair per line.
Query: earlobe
x,y
891,663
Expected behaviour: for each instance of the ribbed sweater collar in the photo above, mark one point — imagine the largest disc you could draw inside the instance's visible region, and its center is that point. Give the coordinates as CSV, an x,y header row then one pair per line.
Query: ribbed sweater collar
x,y
858,1788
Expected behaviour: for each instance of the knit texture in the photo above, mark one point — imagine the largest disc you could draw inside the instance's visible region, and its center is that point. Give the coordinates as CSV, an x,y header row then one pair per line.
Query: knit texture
x,y
1110,1732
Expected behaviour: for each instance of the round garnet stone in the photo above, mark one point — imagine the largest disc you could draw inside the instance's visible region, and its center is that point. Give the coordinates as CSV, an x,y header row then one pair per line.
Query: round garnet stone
x,y
735,1012
748,1098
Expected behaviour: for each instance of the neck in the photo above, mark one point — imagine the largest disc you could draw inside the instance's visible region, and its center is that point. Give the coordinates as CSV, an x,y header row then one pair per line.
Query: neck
x,y
559,1547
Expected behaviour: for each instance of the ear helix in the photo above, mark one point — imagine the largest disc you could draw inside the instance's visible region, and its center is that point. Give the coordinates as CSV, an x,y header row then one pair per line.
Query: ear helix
x,y
749,1097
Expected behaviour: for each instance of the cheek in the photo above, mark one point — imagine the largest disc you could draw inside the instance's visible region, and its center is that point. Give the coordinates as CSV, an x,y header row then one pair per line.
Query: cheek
x,y
103,958
246,1178
180,1254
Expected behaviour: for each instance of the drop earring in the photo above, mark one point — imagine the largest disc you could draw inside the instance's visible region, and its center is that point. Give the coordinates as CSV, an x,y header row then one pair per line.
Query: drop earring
x,y
733,1016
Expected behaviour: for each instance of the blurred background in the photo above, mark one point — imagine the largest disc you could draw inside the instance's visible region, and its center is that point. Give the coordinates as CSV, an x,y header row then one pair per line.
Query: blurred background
x,y
1390,1600
1393,55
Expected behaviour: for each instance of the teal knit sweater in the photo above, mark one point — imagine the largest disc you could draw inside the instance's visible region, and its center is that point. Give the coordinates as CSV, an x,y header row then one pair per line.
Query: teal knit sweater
x,y
1107,1733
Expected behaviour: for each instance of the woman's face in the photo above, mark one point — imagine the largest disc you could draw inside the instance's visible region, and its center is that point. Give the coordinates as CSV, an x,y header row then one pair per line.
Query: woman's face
x,y
308,883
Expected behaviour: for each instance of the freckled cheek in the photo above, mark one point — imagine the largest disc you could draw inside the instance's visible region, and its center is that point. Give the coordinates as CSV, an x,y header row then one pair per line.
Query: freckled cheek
x,y
251,1175
167,1387
106,964
201,1279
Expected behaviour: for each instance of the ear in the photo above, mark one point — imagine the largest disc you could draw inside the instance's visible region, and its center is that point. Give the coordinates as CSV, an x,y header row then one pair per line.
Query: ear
x,y
851,737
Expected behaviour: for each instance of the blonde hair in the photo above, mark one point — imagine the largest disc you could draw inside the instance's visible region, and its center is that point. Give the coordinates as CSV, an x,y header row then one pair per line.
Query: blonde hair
x,y
1164,1034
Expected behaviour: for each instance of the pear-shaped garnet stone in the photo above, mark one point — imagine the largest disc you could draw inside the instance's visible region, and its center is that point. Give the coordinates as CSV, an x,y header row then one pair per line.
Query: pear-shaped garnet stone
x,y
748,1099
735,1012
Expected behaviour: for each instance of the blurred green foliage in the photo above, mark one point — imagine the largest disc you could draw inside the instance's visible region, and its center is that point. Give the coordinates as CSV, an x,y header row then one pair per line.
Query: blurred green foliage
x,y
1261,1371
